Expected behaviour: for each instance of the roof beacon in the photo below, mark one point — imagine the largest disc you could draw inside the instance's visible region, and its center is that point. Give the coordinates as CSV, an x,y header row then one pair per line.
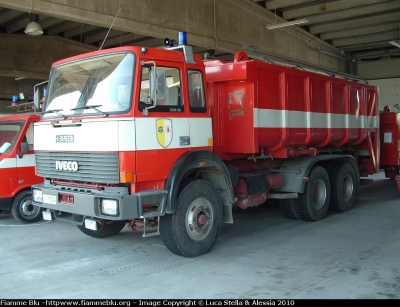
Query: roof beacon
x,y
182,46
182,38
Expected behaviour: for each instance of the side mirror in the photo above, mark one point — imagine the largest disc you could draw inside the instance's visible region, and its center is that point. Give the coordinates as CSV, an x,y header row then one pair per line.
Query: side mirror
x,y
24,149
38,99
158,84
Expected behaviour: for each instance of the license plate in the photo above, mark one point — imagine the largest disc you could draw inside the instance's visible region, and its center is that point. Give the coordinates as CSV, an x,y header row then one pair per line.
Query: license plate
x,y
49,199
64,138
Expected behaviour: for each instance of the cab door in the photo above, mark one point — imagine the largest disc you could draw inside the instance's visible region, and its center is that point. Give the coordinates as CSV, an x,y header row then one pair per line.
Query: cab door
x,y
161,121
9,132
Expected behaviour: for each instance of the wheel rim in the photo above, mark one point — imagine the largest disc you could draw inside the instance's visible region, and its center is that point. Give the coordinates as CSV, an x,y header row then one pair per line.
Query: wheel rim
x,y
347,187
319,193
199,219
27,209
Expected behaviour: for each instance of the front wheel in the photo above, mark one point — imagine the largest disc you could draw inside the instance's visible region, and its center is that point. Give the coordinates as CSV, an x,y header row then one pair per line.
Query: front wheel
x,y
22,209
193,228
105,229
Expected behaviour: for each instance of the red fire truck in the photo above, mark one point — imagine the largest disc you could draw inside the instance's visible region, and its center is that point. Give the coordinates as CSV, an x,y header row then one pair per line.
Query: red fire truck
x,y
17,166
159,137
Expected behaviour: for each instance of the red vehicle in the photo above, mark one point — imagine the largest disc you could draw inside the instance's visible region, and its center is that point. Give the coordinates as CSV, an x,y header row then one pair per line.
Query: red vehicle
x,y
159,137
17,166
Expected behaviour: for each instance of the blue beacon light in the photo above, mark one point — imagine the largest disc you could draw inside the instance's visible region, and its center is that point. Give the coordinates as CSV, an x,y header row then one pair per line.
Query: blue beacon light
x,y
182,38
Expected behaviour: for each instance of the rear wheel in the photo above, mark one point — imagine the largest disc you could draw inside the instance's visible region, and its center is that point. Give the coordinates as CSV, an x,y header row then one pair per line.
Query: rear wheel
x,y
343,187
193,228
313,204
23,210
105,228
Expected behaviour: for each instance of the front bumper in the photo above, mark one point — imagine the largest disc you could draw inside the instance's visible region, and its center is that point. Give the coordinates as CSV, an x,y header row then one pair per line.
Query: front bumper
x,y
87,202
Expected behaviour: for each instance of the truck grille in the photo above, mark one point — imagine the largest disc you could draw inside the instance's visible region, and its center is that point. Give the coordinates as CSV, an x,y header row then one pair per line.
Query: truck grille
x,y
93,167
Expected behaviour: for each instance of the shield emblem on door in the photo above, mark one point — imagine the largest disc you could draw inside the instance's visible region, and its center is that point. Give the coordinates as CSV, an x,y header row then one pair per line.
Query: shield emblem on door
x,y
164,131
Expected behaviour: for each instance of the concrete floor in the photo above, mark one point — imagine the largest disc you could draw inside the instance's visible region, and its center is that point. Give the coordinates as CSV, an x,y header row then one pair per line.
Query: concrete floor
x,y
352,255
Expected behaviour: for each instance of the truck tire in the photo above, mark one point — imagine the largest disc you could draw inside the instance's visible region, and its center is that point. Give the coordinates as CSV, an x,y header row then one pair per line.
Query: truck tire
x,y
343,187
313,204
288,208
22,209
110,228
193,228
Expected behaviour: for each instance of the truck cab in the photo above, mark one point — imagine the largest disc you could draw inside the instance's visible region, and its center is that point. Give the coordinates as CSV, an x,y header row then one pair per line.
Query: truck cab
x,y
123,131
17,167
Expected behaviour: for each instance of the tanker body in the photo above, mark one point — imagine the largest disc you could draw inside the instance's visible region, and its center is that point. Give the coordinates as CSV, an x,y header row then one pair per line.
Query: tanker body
x,y
150,137
285,111
312,135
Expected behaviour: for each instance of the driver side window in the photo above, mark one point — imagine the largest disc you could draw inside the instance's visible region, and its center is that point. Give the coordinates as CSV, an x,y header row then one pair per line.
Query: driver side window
x,y
171,101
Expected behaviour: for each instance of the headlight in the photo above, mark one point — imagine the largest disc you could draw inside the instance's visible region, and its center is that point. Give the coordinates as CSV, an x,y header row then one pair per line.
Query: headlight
x,y
109,207
37,195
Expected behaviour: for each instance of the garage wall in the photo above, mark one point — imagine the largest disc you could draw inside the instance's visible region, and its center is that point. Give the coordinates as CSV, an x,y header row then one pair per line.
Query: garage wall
x,y
389,92
3,108
379,69
26,61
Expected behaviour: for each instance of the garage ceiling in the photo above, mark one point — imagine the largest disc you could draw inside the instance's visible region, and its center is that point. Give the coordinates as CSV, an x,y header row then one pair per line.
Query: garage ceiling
x,y
361,29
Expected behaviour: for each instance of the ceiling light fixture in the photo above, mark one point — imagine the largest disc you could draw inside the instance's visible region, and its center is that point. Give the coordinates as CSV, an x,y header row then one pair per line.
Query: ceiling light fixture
x,y
286,24
395,43
33,28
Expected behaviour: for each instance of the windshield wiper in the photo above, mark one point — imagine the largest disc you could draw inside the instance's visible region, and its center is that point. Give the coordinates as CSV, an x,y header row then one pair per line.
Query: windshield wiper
x,y
91,107
55,111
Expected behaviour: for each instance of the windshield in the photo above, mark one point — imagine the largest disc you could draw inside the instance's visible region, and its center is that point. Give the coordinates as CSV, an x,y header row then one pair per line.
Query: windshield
x,y
99,85
9,133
